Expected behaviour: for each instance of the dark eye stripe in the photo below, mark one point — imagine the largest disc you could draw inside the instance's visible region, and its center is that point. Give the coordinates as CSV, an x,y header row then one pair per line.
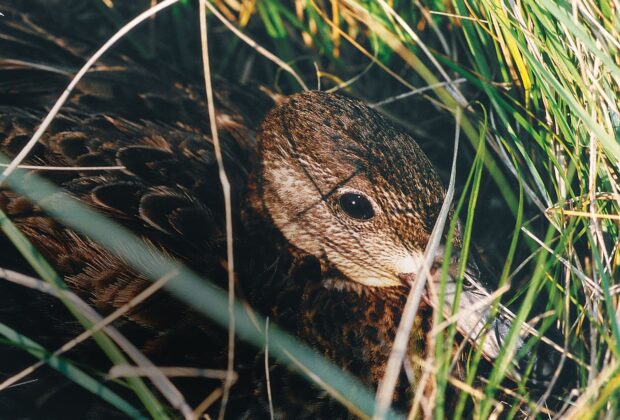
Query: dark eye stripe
x,y
356,206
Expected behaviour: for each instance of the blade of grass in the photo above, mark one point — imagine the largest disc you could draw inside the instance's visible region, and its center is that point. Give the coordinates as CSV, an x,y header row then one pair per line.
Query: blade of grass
x,y
70,371
43,269
195,291
399,347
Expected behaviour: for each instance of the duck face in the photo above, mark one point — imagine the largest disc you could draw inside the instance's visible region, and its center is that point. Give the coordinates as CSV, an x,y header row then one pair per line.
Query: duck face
x,y
344,184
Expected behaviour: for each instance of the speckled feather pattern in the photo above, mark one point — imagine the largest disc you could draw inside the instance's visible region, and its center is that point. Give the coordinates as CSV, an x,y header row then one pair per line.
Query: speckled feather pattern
x,y
294,265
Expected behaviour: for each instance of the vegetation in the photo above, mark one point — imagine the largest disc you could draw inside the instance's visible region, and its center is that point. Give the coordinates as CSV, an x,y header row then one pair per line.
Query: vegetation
x,y
537,190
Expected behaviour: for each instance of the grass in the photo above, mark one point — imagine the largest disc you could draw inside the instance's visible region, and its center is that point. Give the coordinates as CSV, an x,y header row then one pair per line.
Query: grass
x,y
540,112
38,263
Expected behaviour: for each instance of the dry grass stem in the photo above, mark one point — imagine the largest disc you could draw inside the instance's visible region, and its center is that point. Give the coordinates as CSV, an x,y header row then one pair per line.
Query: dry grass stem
x,y
67,168
76,79
585,279
254,44
483,303
122,371
229,381
451,87
163,384
415,92
334,393
207,403
267,375
359,47
399,347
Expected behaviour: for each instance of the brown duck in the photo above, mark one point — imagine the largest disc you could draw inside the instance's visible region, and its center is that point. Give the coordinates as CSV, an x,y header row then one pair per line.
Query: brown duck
x,y
333,206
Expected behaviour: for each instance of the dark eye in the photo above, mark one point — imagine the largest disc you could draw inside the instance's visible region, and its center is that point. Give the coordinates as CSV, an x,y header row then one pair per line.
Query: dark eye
x,y
357,206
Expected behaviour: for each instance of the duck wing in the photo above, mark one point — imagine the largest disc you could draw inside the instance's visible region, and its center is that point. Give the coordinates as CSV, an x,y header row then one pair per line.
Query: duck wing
x,y
145,147
137,147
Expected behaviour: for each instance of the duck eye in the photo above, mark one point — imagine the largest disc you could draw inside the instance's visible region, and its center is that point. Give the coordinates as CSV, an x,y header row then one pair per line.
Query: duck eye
x,y
356,206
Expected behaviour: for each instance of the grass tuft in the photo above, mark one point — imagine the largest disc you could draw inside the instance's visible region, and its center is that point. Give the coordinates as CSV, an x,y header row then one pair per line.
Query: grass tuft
x,y
537,83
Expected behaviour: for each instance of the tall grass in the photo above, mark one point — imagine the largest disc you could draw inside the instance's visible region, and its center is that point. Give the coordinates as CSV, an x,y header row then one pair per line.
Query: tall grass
x,y
540,111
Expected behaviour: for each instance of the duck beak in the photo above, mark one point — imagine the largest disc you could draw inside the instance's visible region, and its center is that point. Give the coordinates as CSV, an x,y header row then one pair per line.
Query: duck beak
x,y
407,278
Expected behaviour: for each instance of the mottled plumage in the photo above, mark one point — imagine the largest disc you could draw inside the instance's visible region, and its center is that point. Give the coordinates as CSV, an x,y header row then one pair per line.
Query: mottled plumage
x,y
300,168
329,279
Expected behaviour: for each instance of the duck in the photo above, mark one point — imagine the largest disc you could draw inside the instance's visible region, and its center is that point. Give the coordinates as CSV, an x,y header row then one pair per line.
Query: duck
x,y
332,206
